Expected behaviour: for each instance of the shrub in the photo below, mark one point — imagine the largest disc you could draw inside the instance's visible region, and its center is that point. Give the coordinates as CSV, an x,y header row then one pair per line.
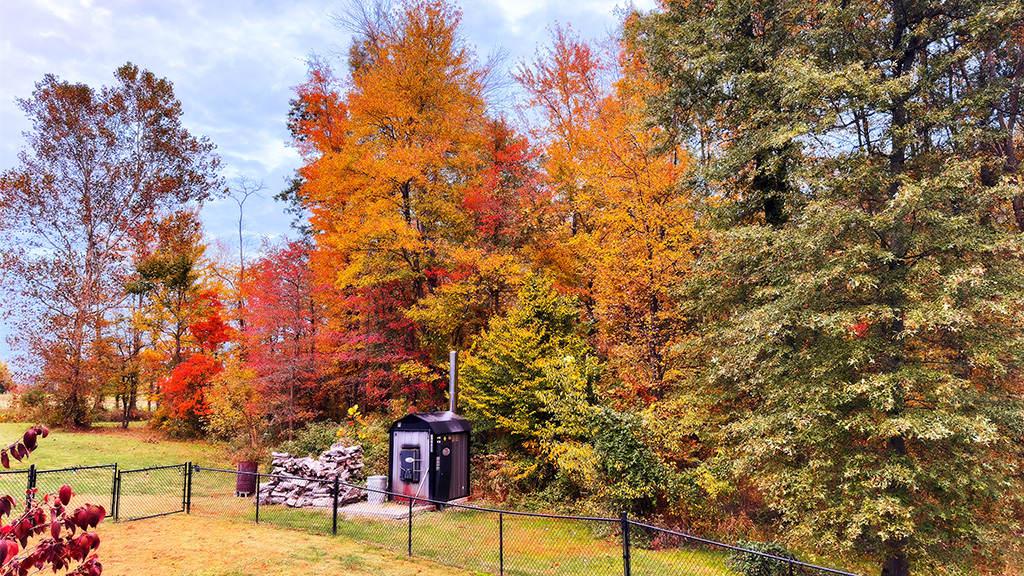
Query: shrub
x,y
372,435
312,440
47,516
756,565
32,397
635,475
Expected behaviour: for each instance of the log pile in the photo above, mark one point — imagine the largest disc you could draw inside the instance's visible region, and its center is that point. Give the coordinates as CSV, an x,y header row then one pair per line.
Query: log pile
x,y
309,482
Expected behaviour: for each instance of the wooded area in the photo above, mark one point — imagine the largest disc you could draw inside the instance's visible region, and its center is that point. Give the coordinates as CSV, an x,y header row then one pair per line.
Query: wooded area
x,y
754,268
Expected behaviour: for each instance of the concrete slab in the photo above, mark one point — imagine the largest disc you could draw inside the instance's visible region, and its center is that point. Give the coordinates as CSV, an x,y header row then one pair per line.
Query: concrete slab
x,y
387,510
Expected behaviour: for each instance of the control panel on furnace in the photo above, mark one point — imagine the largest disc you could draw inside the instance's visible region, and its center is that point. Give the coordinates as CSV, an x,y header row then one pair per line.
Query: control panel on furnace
x,y
409,458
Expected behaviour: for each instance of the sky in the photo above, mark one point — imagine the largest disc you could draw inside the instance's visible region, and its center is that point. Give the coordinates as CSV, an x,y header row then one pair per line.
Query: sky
x,y
233,64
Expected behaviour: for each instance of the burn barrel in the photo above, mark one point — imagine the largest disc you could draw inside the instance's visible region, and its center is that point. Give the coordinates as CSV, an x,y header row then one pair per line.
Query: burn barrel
x,y
245,482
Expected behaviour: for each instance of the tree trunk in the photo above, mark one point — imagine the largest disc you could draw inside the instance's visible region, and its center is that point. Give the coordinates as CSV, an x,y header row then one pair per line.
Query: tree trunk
x,y
896,564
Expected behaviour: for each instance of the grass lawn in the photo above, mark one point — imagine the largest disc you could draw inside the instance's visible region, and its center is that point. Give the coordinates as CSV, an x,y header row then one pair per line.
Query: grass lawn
x,y
220,539
182,545
137,447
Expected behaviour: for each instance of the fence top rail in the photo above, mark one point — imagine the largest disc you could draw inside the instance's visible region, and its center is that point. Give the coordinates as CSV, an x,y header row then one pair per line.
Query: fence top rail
x,y
155,468
413,498
516,512
744,550
76,468
281,476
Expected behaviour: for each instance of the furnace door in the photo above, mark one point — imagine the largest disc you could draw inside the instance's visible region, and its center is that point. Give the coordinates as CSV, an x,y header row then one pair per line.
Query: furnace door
x,y
410,463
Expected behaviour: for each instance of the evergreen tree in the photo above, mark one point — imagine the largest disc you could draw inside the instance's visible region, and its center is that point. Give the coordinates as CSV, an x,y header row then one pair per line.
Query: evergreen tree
x,y
862,293
505,377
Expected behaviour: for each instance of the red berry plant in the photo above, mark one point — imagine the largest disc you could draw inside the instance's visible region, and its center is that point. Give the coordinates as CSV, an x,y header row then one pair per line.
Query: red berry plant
x,y
49,522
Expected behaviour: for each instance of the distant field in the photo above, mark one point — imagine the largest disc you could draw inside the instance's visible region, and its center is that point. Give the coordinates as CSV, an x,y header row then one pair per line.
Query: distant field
x,y
137,447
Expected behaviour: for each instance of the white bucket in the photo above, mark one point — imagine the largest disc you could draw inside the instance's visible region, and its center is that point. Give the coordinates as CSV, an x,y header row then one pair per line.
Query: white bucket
x,y
376,483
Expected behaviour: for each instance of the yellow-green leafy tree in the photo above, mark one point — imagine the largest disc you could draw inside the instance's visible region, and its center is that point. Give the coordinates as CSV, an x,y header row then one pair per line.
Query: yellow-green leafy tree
x,y
862,334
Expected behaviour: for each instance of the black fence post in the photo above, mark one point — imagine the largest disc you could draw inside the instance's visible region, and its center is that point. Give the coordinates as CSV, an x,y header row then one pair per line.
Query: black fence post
x,y
117,495
113,491
184,487
188,489
410,526
334,522
29,485
501,544
257,495
625,544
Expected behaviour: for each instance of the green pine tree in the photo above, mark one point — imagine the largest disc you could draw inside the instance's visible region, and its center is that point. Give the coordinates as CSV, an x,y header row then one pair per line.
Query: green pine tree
x,y
507,374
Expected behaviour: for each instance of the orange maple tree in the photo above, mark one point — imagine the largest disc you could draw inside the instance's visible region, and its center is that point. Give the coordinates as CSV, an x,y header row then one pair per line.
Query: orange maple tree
x,y
631,228
389,158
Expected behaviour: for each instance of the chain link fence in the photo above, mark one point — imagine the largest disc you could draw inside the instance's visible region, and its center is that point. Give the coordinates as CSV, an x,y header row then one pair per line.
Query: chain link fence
x,y
483,540
90,484
151,492
492,541
15,483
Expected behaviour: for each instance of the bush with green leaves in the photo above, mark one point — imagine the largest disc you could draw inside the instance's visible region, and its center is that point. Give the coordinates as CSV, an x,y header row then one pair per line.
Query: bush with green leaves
x,y
312,440
750,564
530,388
635,477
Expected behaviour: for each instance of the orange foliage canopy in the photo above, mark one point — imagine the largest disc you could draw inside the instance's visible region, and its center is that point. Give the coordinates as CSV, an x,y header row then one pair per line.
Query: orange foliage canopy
x,y
390,158
186,388
631,230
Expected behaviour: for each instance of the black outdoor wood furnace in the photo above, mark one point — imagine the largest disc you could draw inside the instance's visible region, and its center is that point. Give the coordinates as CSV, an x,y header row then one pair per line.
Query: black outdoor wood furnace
x,y
429,456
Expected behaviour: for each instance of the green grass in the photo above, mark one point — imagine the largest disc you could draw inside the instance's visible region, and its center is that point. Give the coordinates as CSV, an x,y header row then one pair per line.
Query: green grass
x,y
456,537
137,447
470,539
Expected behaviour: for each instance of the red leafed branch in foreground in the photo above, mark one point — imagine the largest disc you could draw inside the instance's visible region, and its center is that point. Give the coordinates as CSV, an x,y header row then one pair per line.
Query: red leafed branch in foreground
x,y
64,541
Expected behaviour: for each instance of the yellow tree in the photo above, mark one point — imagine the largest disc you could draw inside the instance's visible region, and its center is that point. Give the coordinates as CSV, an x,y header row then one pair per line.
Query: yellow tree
x,y
566,84
389,156
6,380
170,276
631,226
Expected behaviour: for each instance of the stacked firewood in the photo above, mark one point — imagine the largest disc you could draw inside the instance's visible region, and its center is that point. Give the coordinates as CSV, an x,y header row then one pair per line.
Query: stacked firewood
x,y
308,483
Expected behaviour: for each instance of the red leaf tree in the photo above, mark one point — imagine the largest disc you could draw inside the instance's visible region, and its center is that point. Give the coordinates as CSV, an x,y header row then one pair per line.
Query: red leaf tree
x,y
287,338
186,408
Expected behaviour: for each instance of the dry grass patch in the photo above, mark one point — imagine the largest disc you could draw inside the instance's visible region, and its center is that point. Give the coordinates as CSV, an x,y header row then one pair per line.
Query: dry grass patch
x,y
197,546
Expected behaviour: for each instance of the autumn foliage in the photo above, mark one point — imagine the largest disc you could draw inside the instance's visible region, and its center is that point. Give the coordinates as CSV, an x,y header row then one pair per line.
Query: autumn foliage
x,y
48,519
185,390
749,267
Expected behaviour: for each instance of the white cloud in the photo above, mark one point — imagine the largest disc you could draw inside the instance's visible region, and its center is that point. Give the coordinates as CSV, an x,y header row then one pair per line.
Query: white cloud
x,y
232,63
